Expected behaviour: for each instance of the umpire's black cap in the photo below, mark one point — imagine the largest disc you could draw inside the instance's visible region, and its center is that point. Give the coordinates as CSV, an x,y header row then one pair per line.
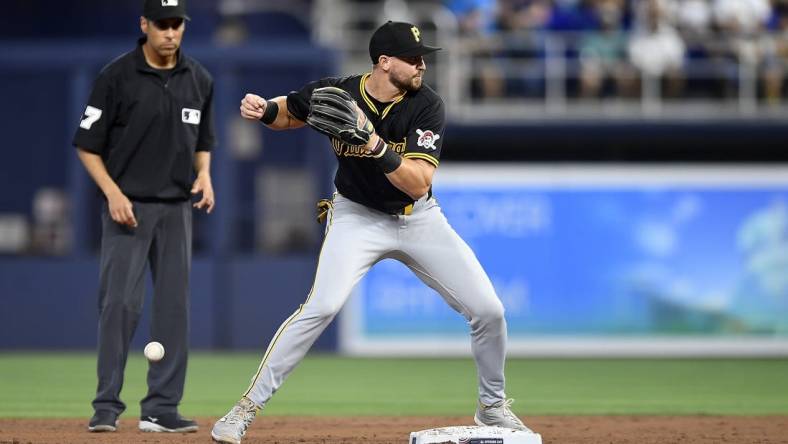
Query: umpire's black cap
x,y
163,9
398,39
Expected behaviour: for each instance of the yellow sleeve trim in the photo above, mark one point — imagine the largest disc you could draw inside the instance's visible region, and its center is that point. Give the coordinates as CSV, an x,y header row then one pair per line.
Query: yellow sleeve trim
x,y
422,156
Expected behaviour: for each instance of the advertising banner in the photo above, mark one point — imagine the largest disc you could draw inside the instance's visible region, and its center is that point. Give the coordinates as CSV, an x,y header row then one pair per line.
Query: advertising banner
x,y
600,260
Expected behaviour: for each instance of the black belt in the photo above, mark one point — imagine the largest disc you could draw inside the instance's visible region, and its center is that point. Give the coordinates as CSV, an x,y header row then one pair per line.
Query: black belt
x,y
407,210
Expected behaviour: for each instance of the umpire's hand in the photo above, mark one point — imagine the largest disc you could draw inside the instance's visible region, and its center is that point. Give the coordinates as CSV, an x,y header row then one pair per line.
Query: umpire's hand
x,y
252,107
120,209
203,185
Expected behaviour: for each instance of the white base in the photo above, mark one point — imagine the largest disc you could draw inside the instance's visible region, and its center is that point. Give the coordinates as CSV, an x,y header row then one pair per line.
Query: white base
x,y
474,435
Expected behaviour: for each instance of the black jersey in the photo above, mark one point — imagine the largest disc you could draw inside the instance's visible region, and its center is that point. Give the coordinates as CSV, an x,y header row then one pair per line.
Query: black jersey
x,y
146,124
412,125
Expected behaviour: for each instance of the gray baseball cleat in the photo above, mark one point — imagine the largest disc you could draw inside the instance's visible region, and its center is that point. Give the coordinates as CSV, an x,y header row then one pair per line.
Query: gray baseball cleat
x,y
232,427
498,414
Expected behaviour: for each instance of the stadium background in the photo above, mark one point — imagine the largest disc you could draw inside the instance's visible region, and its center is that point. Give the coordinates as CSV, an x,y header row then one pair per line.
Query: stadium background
x,y
623,206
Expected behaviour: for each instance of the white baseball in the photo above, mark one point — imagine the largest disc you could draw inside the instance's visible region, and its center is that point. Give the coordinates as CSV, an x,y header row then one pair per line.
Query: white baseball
x,y
154,351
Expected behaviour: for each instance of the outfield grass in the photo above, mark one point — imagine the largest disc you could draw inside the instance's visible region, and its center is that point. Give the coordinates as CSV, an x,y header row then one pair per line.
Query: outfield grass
x,y
62,384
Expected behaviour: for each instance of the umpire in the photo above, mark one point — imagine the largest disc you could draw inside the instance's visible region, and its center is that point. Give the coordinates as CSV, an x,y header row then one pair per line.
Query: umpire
x,y
146,139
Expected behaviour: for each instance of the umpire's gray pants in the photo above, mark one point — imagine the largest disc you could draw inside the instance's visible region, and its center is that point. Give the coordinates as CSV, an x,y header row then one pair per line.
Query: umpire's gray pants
x,y
162,239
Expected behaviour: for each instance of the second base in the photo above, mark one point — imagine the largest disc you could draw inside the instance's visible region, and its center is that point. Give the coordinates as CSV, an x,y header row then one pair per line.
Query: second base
x,y
474,435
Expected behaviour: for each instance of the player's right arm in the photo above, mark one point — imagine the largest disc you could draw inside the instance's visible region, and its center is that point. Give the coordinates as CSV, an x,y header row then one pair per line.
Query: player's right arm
x,y
254,107
291,110
120,207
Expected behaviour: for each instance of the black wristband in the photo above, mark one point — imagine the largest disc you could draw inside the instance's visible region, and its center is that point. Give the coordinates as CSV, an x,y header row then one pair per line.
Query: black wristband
x,y
389,160
271,111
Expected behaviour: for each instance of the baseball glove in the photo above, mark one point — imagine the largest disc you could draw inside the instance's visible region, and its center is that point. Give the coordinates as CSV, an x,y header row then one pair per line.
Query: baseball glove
x,y
333,112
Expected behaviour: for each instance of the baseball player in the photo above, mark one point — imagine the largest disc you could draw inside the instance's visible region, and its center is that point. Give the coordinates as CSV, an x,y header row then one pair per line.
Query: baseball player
x,y
386,129
146,139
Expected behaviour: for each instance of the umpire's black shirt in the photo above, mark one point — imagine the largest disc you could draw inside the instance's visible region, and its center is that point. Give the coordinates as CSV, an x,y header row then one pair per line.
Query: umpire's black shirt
x,y
147,123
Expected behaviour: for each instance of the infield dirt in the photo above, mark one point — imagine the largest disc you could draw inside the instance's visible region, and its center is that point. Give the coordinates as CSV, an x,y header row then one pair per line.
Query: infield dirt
x,y
380,430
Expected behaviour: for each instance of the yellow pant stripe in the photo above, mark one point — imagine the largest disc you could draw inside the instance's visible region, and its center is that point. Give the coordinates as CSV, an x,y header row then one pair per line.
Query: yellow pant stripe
x,y
292,317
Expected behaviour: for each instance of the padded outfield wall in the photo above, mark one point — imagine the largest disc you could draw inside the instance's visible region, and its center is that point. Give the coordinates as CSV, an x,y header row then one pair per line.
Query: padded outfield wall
x,y
605,260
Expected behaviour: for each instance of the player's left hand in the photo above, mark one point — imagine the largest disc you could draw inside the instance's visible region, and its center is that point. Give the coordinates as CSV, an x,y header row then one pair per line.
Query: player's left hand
x,y
333,112
203,185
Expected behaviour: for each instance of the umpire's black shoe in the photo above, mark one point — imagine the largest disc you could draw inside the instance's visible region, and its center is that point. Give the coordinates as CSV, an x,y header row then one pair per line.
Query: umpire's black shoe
x,y
103,421
168,422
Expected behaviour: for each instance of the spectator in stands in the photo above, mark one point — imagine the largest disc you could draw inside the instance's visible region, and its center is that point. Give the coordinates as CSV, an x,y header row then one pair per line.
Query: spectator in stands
x,y
603,53
524,15
776,57
741,25
477,27
474,17
655,48
694,22
572,15
742,17
524,23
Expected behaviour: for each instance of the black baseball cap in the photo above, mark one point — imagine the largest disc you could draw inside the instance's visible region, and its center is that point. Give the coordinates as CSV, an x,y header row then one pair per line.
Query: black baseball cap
x,y
162,9
398,39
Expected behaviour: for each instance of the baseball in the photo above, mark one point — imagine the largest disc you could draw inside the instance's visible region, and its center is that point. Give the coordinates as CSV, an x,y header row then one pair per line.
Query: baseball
x,y
154,351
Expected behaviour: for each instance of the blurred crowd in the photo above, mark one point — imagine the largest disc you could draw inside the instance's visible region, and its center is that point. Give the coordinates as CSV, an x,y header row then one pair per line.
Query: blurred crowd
x,y
693,48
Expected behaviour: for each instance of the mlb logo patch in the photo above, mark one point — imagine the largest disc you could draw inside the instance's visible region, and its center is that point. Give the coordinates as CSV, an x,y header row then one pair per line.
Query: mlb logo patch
x,y
191,116
169,2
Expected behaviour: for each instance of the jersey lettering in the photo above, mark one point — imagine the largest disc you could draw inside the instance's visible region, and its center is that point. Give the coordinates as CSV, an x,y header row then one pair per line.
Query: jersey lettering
x,y
345,150
398,147
91,116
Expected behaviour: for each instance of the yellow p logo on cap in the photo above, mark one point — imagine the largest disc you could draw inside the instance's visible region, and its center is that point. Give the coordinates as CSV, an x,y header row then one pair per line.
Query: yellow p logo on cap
x,y
416,33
